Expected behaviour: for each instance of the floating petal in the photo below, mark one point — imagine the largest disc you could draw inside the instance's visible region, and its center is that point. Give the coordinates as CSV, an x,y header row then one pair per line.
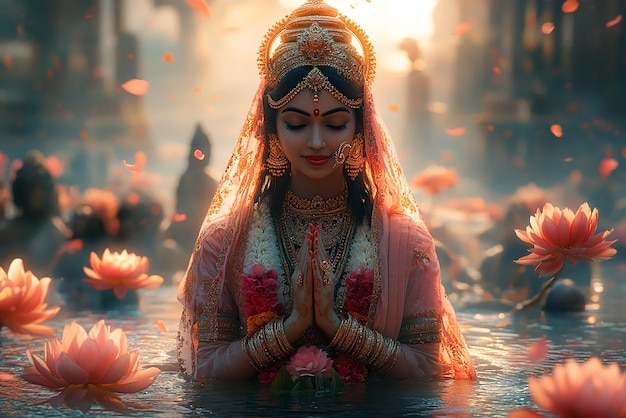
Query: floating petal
x,y
136,86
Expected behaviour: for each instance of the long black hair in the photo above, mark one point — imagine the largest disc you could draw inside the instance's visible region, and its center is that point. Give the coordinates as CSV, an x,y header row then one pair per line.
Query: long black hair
x,y
359,189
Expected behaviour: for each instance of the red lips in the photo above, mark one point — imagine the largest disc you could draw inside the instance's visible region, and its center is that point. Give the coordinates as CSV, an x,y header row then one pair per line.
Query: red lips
x,y
316,159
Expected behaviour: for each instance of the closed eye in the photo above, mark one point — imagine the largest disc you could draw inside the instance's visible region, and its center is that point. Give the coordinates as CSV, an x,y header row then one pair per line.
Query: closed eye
x,y
291,127
338,127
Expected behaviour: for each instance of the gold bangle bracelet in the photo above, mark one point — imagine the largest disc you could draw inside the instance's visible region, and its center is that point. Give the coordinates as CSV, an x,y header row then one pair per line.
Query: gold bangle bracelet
x,y
246,353
341,333
391,359
285,346
258,350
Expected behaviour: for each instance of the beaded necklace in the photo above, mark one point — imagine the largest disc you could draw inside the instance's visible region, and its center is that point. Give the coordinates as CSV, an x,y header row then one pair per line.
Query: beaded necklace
x,y
336,222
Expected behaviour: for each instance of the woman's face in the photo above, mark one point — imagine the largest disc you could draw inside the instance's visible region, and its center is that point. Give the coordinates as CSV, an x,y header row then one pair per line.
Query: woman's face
x,y
309,134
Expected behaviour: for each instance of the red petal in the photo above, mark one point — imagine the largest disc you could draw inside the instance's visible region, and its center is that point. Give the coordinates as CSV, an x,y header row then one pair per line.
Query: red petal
x,y
136,86
198,154
199,6
556,130
607,166
614,21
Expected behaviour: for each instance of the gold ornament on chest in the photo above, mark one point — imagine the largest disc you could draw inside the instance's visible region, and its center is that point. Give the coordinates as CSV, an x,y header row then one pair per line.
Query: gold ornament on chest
x,y
336,221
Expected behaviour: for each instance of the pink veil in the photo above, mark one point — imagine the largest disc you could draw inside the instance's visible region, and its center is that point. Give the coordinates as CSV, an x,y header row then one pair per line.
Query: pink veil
x,y
232,208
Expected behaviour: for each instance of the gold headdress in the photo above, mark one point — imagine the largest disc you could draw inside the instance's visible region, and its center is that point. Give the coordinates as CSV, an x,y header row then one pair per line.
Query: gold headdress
x,y
315,34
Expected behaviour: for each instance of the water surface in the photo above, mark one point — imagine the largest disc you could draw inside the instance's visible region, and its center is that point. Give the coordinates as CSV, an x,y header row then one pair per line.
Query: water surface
x,y
499,346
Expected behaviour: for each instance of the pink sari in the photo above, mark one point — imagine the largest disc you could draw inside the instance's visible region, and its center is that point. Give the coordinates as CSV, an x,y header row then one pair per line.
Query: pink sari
x,y
407,286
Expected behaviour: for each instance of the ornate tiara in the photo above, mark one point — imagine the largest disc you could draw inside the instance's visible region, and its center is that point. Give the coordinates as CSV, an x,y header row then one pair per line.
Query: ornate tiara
x,y
315,34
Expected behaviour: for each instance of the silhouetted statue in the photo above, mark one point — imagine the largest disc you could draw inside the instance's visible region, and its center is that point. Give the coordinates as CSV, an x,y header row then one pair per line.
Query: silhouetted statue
x,y
194,192
37,231
417,135
140,217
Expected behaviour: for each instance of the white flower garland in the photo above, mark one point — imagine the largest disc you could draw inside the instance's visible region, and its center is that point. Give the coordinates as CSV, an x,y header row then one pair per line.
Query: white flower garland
x,y
262,242
262,245
361,249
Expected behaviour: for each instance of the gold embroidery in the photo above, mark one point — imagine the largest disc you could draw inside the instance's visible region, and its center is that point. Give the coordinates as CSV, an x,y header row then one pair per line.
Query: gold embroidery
x,y
376,230
421,328
222,328
456,348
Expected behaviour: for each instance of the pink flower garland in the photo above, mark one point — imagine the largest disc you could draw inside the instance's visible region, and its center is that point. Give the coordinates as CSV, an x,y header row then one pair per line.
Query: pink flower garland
x,y
259,290
359,289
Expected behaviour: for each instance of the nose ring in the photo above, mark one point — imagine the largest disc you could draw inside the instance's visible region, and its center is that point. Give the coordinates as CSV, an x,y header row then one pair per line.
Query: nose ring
x,y
340,153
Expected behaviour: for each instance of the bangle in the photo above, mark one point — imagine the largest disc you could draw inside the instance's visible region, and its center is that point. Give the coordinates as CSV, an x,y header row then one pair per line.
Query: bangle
x,y
284,346
266,346
366,345
246,353
340,335
392,357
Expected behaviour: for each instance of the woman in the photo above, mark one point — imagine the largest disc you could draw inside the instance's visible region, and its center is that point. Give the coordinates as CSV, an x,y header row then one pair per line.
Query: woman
x,y
313,236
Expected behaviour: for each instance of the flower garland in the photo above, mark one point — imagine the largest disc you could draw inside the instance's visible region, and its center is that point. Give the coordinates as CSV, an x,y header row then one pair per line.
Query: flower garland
x,y
260,285
259,280
259,290
359,290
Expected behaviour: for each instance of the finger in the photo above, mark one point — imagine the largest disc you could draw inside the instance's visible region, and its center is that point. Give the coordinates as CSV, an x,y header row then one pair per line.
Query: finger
x,y
324,269
299,274
311,235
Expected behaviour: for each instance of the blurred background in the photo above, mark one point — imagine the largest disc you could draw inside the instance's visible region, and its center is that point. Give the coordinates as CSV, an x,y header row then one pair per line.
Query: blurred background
x,y
516,95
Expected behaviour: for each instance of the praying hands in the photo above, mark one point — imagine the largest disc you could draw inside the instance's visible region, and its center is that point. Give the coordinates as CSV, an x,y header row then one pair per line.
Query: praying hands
x,y
313,285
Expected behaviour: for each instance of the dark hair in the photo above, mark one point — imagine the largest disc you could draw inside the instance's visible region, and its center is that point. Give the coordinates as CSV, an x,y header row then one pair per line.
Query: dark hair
x,y
359,189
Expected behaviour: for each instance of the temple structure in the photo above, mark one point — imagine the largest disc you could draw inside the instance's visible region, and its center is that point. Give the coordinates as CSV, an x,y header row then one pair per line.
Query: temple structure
x,y
516,68
62,66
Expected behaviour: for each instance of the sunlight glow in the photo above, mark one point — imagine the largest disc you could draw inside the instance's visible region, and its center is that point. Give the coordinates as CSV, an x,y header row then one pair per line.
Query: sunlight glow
x,y
388,22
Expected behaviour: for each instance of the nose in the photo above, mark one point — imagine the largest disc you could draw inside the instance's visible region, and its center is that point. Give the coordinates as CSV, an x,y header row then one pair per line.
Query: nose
x,y
316,141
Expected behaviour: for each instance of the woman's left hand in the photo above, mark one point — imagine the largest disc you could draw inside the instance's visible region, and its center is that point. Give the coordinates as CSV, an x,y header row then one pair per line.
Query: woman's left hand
x,y
324,288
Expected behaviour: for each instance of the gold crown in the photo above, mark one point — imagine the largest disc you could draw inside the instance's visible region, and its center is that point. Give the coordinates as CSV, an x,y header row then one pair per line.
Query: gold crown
x,y
315,34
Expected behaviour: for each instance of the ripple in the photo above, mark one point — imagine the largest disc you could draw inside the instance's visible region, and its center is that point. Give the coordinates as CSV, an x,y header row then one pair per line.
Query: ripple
x,y
499,353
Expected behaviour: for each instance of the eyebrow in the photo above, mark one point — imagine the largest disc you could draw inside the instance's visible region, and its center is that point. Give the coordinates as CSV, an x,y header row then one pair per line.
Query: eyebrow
x,y
302,112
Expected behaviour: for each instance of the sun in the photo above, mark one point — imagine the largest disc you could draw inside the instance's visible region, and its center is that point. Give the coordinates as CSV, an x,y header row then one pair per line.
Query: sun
x,y
388,22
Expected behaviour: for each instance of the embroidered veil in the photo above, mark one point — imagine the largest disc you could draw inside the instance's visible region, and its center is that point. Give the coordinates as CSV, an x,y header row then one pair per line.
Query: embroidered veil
x,y
233,205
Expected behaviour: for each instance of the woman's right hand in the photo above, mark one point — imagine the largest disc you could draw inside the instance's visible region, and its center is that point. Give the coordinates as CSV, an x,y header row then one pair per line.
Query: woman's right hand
x,y
301,316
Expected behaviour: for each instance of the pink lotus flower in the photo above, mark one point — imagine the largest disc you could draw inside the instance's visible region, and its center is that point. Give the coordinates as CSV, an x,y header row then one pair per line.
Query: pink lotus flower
x,y
310,360
120,272
89,368
579,390
22,306
560,234
434,179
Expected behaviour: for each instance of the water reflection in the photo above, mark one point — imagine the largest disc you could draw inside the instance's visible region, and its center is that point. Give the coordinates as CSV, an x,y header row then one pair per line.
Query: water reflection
x,y
499,346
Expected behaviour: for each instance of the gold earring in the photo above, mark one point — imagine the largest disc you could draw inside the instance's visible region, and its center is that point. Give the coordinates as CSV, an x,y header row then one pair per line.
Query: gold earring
x,y
356,159
277,162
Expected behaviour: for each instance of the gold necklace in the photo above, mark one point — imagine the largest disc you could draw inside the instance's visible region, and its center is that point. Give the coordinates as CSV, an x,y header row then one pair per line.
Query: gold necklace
x,y
336,222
